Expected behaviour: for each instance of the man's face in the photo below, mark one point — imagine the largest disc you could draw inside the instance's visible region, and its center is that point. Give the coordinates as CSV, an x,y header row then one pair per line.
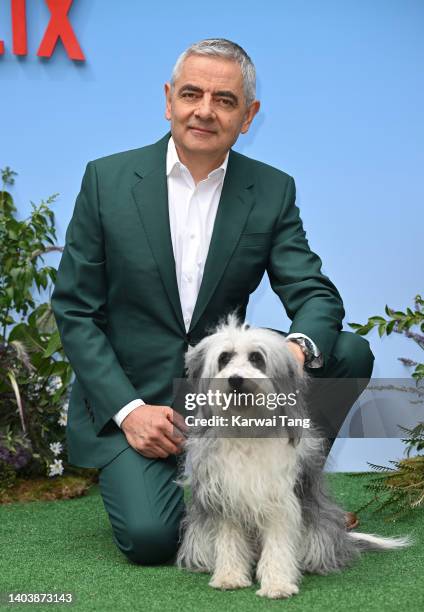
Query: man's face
x,y
207,108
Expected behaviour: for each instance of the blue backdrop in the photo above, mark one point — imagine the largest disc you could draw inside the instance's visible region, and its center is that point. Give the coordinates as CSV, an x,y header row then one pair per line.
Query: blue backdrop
x,y
341,89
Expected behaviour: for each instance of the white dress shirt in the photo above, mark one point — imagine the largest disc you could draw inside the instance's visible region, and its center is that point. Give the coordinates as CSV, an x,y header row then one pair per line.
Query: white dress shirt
x,y
192,211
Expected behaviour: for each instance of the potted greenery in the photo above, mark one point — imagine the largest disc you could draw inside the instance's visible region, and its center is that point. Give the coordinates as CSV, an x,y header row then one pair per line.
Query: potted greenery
x,y
400,489
35,374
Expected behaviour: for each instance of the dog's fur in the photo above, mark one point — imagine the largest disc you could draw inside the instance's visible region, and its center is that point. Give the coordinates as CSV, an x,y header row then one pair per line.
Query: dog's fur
x,y
261,502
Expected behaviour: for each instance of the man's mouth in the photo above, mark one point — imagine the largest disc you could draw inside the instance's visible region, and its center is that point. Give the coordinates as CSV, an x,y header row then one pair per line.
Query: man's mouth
x,y
202,130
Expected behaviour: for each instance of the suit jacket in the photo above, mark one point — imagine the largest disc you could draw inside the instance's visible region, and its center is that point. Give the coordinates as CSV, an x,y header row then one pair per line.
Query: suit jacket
x,y
116,300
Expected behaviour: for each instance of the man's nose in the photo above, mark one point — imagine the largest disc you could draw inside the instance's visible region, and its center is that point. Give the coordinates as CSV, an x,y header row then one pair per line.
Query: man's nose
x,y
205,110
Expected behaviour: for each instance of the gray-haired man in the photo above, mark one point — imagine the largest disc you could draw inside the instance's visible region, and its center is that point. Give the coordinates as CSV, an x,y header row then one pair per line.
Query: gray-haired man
x,y
165,240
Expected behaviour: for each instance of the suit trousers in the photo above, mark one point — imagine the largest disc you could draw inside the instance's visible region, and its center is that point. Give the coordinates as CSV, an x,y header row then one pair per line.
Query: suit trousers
x,y
145,505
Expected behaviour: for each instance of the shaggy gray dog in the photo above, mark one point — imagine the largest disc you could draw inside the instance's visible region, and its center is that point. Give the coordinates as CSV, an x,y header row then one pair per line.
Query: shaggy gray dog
x,y
259,504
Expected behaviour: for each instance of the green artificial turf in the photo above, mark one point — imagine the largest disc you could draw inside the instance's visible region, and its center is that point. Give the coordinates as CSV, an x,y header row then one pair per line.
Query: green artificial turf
x,y
67,546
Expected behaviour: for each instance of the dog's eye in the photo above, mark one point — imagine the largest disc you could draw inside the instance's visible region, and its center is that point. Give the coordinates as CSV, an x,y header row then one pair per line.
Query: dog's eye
x,y
223,359
256,359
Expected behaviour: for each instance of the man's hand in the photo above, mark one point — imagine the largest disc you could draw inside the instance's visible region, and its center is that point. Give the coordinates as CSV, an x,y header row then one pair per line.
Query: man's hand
x,y
297,351
155,431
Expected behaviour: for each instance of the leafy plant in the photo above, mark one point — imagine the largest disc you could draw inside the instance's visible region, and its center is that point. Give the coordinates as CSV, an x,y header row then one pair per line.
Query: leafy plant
x,y
401,323
34,371
400,488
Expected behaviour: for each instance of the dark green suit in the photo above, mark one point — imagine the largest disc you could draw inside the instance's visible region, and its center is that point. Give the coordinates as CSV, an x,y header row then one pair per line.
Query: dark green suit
x,y
116,298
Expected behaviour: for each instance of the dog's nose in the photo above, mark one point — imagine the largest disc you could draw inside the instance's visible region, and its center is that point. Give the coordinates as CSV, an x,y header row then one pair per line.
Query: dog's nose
x,y
236,382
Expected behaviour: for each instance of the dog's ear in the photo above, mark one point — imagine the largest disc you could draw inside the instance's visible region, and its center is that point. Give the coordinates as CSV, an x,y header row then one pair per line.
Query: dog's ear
x,y
193,361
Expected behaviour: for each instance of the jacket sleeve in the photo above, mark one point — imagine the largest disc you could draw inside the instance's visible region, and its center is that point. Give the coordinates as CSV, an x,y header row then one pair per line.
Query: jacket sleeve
x,y
311,300
79,304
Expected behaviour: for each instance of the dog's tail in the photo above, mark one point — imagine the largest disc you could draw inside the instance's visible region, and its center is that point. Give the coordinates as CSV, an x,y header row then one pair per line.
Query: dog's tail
x,y
369,541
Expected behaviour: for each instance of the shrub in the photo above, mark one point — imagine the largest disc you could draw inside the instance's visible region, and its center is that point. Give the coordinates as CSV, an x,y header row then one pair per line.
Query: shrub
x,y
400,488
34,372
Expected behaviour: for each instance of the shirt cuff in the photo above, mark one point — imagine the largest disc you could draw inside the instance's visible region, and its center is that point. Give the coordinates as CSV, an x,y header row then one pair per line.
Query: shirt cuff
x,y
318,360
120,416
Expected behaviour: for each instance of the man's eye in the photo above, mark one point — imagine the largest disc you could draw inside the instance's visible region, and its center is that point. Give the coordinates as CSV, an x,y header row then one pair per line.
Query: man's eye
x,y
188,94
226,102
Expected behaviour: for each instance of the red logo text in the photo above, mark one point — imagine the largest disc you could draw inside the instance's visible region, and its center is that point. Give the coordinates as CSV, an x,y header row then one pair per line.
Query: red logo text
x,y
59,26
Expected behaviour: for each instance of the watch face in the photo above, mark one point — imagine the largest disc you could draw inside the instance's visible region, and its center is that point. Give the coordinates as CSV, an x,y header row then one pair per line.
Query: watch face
x,y
307,349
309,346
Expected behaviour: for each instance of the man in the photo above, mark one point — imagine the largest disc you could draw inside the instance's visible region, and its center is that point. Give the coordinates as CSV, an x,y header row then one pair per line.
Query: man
x,y
165,240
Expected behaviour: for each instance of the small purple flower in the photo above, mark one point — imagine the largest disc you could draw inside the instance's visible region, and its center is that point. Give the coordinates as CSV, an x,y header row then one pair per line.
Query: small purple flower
x,y
17,459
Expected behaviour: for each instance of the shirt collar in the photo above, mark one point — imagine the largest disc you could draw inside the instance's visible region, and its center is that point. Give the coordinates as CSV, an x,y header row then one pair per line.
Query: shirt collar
x,y
172,161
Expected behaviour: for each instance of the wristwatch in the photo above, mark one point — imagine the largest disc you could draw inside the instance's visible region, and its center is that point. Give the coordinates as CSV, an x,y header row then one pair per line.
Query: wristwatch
x,y
307,348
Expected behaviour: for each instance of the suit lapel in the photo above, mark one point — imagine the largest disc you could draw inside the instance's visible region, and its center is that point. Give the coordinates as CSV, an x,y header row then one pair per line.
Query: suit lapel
x,y
151,197
233,209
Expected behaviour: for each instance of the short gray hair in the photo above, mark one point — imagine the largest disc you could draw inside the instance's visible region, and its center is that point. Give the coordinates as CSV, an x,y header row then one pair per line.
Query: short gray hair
x,y
221,47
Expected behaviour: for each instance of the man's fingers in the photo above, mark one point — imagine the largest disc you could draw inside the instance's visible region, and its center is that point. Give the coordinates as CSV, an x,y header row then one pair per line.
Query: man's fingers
x,y
177,419
170,429
153,452
159,435
166,439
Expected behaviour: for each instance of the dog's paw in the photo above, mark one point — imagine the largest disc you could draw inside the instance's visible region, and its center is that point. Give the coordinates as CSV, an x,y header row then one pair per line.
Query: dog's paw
x,y
279,590
227,582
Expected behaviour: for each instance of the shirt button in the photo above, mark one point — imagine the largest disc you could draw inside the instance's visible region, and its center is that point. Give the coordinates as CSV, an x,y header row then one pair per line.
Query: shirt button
x,y
192,236
189,279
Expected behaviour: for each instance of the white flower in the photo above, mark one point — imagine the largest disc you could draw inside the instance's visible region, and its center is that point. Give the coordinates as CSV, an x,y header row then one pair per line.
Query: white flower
x,y
55,383
63,418
56,448
56,468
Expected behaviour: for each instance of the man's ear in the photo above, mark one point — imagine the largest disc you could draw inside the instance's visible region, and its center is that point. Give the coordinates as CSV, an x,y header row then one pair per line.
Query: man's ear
x,y
167,88
249,116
